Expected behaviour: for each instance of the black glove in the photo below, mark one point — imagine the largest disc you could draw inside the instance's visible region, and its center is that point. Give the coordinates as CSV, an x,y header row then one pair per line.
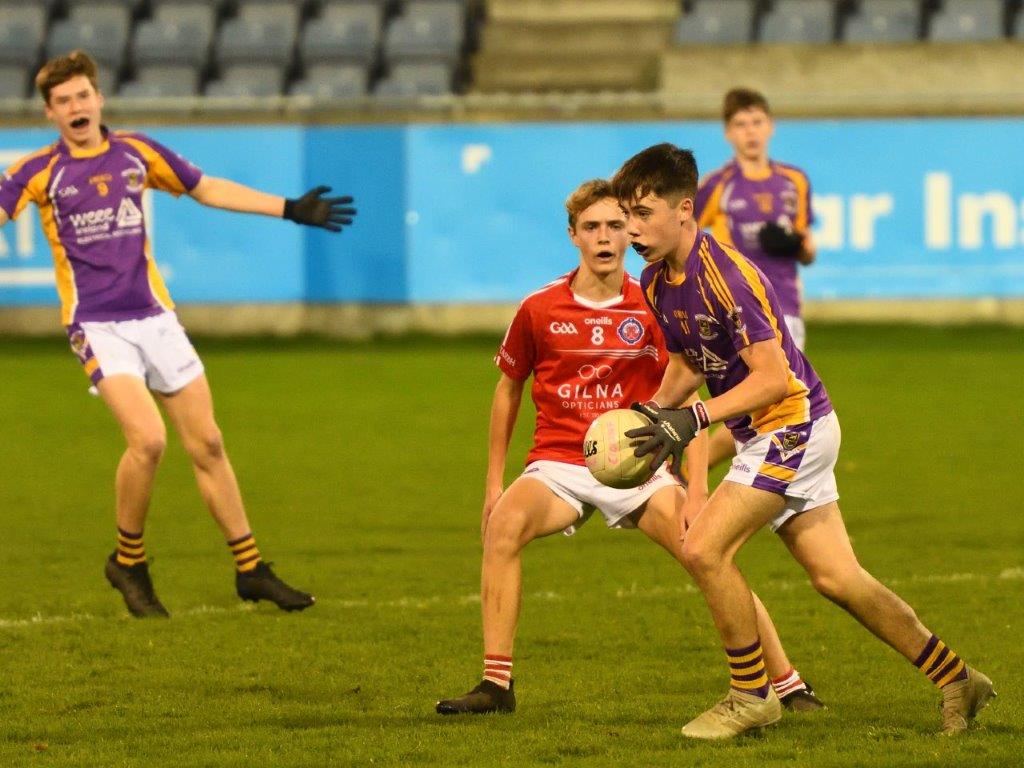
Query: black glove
x,y
315,211
777,240
671,432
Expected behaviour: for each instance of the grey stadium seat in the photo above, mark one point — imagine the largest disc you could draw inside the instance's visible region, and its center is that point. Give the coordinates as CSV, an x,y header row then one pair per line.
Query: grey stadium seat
x,y
262,32
13,82
430,30
104,40
716,22
332,81
962,20
107,11
416,80
344,32
884,21
159,41
251,81
22,28
160,82
799,21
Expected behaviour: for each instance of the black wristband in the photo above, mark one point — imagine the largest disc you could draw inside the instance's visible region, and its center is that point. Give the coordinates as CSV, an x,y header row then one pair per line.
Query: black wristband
x,y
289,209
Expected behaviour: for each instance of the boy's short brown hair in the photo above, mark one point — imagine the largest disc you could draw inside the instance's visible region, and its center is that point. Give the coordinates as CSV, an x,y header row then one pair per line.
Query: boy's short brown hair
x,y
63,68
739,99
664,170
585,195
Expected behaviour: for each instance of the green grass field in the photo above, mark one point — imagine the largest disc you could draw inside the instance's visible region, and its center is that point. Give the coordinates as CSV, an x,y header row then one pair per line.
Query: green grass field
x,y
362,467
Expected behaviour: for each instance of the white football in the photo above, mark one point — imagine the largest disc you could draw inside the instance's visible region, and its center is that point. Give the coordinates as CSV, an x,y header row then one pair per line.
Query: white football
x,y
609,453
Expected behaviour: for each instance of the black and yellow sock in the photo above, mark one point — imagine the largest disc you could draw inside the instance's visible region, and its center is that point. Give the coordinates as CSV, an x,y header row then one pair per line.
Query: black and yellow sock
x,y
940,664
749,674
130,550
247,556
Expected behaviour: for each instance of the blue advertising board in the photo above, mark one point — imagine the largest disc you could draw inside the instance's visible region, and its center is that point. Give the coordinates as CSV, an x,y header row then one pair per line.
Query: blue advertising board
x,y
916,208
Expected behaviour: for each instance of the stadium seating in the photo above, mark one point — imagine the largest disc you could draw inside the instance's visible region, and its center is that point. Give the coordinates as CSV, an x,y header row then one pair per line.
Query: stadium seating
x,y
13,82
416,79
21,32
345,32
884,21
248,81
158,81
263,32
102,30
177,34
429,30
799,21
716,22
329,82
962,20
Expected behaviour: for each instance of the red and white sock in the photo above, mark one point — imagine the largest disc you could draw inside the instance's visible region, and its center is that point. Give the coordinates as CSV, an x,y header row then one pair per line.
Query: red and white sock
x,y
788,683
498,669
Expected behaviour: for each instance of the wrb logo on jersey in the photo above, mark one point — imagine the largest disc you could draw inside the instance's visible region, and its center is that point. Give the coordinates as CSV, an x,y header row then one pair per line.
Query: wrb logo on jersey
x,y
128,214
631,330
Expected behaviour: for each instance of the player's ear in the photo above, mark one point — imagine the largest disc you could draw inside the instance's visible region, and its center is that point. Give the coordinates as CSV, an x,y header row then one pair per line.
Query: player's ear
x,y
685,209
572,236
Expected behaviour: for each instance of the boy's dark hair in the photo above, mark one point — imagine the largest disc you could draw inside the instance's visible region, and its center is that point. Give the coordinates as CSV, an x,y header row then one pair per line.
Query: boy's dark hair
x,y
63,68
584,196
739,99
664,170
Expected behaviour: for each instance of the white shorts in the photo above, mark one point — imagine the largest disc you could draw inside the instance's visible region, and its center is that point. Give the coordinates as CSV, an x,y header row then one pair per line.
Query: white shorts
x,y
796,330
577,487
154,349
798,463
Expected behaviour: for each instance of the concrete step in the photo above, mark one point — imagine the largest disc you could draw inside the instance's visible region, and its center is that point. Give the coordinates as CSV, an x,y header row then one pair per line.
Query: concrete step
x,y
593,39
504,72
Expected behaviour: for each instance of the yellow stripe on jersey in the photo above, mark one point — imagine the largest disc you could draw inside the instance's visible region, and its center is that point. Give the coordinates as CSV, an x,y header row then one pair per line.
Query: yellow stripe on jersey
x,y
35,189
795,407
90,366
785,474
156,280
802,196
711,210
159,175
704,297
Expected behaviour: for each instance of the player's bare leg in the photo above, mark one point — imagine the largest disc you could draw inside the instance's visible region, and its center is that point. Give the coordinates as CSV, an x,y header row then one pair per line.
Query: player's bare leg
x,y
526,511
191,411
732,515
820,543
721,447
146,437
658,518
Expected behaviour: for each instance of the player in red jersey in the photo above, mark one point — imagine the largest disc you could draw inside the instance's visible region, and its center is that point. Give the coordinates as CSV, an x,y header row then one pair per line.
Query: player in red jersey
x,y
591,345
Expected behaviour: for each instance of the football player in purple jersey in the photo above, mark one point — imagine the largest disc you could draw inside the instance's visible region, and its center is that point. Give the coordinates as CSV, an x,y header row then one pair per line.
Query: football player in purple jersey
x,y
762,208
120,319
723,326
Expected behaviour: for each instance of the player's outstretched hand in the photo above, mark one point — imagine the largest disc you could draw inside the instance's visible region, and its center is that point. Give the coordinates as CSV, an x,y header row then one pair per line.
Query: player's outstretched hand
x,y
777,240
315,210
671,432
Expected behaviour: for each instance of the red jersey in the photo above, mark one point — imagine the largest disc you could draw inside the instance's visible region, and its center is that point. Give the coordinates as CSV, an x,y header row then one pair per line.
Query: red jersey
x,y
586,358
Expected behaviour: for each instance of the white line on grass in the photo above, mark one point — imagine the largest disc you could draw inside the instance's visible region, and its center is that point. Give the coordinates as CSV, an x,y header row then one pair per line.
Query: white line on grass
x,y
633,591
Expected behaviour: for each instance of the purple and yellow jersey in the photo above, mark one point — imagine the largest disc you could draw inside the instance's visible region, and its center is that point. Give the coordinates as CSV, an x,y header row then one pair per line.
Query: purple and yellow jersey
x,y
721,304
734,207
90,203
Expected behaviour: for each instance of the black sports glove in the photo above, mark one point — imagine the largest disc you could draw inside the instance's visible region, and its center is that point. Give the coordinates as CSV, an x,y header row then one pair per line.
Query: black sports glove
x,y
777,240
315,211
671,432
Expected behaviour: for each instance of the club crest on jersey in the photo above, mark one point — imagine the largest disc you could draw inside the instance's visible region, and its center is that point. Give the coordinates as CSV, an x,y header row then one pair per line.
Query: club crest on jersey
x,y
790,440
133,179
80,345
630,330
736,317
706,327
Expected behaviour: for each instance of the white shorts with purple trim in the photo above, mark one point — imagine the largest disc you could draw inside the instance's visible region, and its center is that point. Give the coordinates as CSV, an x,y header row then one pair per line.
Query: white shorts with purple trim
x,y
798,463
155,349
578,488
